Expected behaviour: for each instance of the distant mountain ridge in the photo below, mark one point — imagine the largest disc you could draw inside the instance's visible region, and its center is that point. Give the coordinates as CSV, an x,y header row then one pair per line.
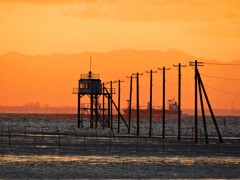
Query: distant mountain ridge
x,y
170,51
49,79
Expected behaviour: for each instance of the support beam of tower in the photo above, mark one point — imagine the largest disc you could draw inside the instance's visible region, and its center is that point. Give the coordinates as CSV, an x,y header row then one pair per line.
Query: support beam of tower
x,y
116,107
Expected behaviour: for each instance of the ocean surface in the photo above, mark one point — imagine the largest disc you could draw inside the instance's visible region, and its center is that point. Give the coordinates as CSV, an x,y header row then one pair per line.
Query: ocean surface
x,y
51,146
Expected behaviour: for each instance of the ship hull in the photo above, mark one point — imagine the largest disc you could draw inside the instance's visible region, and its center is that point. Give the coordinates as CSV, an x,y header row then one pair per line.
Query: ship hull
x,y
145,113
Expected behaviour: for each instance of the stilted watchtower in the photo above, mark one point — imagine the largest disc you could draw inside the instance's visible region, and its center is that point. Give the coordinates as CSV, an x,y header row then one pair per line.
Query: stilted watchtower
x,y
90,85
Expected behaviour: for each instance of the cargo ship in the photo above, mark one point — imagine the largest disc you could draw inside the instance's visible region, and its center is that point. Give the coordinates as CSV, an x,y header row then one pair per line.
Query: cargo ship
x,y
172,110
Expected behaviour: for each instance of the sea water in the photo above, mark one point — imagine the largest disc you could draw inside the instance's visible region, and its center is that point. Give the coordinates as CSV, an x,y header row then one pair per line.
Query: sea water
x,y
99,154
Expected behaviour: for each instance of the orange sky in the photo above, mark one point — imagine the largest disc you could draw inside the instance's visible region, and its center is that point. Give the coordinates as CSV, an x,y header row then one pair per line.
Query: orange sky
x,y
208,29
202,28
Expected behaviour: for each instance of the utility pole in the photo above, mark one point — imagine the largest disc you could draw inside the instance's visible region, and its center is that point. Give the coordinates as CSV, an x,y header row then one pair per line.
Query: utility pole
x,y
150,102
111,92
110,106
137,84
163,100
79,108
210,108
198,82
203,111
179,99
109,109
196,64
130,105
103,106
119,101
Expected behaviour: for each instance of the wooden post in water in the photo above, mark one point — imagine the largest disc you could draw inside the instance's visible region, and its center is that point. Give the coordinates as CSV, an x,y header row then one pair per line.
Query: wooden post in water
x,y
179,99
210,109
10,139
203,114
138,104
130,106
163,101
111,107
150,102
1,135
109,110
103,106
119,102
137,98
59,139
150,106
196,64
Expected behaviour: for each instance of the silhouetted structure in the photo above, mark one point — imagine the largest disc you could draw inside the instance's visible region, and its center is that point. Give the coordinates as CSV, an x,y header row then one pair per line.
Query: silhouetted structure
x,y
90,85
137,99
163,101
150,102
179,99
130,105
199,84
102,113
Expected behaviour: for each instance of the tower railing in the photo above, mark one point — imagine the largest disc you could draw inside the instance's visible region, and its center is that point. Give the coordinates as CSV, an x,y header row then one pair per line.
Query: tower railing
x,y
76,90
92,76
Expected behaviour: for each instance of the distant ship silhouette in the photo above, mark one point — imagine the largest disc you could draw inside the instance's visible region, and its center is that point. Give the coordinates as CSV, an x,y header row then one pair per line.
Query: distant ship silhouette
x,y
156,112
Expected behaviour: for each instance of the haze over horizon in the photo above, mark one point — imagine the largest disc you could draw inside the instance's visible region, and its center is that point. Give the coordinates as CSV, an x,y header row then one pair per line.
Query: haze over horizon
x,y
49,79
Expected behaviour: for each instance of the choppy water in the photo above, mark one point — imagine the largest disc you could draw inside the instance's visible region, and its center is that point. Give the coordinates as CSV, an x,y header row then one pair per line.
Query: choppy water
x,y
68,123
107,157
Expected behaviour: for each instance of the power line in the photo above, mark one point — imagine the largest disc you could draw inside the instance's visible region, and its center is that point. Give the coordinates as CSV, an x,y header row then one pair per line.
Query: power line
x,y
220,77
223,64
223,91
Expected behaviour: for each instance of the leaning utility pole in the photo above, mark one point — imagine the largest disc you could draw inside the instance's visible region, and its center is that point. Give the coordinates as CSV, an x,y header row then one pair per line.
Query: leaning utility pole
x,y
203,111
150,102
179,99
196,64
137,84
163,101
210,109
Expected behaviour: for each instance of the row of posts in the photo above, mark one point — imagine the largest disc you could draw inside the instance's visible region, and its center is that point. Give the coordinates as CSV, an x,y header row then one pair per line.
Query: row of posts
x,y
136,75
198,83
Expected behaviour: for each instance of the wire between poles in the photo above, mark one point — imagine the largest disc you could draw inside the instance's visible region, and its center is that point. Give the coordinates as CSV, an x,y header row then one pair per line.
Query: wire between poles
x,y
223,90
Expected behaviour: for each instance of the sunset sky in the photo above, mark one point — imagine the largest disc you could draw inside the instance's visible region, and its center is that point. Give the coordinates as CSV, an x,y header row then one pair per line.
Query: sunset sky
x,y
197,28
203,28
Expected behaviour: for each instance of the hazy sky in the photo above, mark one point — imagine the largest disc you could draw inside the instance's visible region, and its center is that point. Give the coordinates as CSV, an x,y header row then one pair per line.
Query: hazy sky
x,y
205,28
